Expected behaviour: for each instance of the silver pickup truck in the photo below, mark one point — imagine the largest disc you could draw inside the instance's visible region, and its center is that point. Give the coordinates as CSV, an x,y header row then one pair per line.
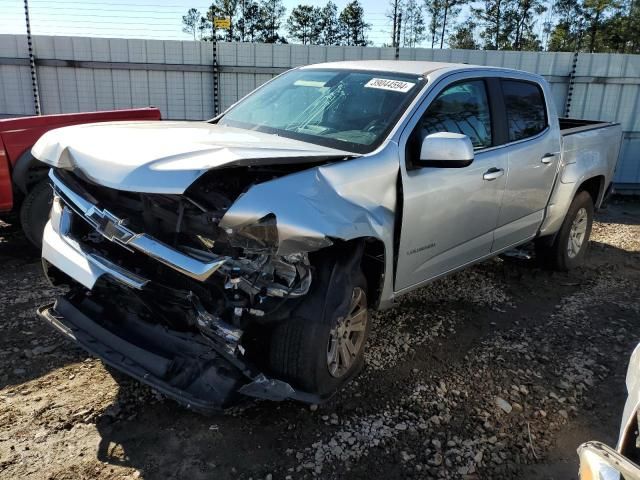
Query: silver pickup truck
x,y
242,256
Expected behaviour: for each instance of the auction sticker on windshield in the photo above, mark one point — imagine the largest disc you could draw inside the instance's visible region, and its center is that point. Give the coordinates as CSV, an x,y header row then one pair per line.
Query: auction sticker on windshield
x,y
386,84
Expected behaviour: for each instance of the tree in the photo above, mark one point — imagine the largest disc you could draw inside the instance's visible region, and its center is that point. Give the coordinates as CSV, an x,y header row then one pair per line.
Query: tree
x,y
526,13
329,24
594,12
352,25
436,12
305,24
413,24
565,33
271,14
632,28
194,23
393,14
604,25
463,36
498,19
621,31
450,8
247,24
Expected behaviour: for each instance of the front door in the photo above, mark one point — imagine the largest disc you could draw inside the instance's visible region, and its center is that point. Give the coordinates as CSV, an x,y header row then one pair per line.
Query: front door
x,y
449,214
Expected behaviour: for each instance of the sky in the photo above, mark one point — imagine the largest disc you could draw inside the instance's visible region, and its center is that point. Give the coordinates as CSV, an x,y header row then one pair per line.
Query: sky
x,y
153,19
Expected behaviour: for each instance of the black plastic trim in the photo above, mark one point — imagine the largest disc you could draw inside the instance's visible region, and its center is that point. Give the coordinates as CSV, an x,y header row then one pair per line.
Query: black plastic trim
x,y
150,368
443,163
71,329
499,124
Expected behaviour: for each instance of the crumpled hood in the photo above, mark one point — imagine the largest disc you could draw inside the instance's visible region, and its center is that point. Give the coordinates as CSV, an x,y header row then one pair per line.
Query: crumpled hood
x,y
165,157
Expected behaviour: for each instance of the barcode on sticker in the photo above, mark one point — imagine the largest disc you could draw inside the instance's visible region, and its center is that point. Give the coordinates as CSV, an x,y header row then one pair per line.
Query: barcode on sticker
x,y
386,84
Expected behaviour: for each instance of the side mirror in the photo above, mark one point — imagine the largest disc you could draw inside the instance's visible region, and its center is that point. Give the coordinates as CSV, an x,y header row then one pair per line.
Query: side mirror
x,y
446,150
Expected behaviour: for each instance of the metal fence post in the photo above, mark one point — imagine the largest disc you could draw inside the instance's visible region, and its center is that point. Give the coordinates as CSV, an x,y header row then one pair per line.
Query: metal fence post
x,y
398,29
32,62
215,63
572,74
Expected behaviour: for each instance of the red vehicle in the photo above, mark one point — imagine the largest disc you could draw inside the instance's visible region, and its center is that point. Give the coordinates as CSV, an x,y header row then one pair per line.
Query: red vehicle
x,y
23,179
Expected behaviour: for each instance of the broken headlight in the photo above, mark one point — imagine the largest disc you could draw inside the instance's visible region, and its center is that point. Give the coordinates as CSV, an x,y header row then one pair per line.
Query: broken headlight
x,y
60,216
259,237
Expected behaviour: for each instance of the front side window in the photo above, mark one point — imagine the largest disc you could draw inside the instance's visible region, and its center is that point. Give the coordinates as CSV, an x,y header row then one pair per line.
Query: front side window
x,y
460,108
349,110
526,110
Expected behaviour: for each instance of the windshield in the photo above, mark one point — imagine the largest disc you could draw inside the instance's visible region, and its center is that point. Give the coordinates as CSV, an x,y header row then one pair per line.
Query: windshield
x,y
349,110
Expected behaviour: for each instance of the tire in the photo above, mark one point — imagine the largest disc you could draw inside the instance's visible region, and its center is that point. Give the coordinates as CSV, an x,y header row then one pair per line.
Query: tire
x,y
34,212
321,326
569,248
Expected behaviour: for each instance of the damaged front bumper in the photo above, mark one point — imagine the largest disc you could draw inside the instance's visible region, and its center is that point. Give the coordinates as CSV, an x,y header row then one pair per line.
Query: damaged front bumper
x,y
203,371
180,365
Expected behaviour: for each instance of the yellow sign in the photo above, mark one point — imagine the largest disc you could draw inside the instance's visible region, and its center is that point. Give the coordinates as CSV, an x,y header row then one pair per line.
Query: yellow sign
x,y
224,22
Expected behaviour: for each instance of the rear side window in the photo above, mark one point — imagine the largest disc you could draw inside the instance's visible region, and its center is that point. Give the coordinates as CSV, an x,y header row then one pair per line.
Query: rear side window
x,y
526,109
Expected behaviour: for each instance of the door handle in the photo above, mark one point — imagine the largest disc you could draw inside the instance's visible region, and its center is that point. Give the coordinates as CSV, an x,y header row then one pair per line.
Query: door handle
x,y
547,158
493,173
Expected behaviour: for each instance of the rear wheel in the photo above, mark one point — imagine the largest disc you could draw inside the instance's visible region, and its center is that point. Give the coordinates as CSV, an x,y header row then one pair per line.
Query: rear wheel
x,y
34,212
321,346
569,247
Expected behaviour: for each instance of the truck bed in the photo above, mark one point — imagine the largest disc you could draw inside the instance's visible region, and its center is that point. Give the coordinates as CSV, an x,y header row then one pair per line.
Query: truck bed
x,y
569,126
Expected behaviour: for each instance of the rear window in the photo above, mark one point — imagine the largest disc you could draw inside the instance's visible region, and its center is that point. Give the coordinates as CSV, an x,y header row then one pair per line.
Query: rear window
x,y
526,109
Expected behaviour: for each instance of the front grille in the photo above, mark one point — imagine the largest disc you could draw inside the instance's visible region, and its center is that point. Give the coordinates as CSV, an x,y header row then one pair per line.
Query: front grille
x,y
100,228
156,214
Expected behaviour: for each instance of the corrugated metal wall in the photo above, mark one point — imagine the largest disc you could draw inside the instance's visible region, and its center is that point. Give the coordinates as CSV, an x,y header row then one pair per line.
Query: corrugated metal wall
x,y
85,74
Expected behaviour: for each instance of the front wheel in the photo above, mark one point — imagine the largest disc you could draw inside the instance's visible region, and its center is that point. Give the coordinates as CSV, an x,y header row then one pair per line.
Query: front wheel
x,y
569,248
321,347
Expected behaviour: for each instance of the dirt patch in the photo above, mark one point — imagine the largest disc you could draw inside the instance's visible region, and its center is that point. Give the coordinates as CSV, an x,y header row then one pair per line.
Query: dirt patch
x,y
499,371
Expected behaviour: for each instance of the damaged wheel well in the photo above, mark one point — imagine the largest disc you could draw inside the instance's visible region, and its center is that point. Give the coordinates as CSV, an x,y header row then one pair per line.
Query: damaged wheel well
x,y
372,265
594,187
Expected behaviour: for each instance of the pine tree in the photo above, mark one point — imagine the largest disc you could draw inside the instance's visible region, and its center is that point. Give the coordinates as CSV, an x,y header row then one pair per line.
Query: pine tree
x,y
497,18
393,14
247,24
413,24
436,13
304,24
271,14
450,9
594,14
463,36
330,26
193,22
527,12
352,25
569,21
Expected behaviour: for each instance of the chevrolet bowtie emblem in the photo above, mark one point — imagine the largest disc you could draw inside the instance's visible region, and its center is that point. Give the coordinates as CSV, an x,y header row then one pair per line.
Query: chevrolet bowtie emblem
x,y
110,226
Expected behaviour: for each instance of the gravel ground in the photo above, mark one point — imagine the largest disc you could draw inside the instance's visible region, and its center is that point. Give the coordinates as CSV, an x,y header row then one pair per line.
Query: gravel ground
x,y
499,371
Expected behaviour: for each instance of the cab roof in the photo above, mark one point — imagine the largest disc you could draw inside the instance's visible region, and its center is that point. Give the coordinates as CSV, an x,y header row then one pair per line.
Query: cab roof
x,y
395,66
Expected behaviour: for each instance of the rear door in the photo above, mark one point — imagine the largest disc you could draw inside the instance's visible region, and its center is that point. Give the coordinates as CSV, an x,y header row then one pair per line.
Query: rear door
x,y
449,214
533,149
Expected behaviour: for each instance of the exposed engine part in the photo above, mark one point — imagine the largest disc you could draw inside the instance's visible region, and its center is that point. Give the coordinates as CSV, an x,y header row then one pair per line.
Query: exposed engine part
x,y
216,329
263,275
252,286
284,277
